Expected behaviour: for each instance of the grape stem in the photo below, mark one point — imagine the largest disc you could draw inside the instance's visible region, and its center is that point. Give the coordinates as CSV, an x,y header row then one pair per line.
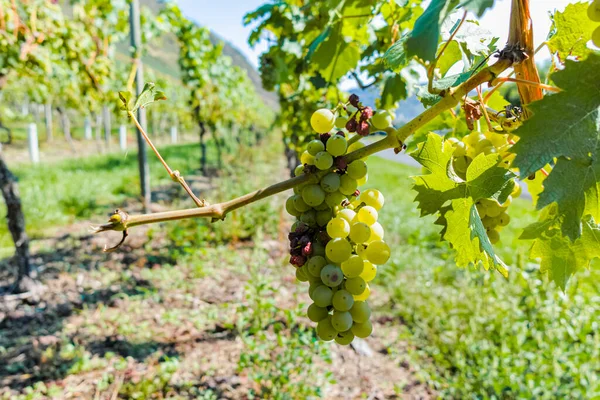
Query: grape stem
x,y
450,99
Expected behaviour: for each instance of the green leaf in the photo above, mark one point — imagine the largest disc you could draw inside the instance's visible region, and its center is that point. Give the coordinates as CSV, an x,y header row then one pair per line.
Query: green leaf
x,y
566,126
462,225
477,6
423,40
125,97
148,96
317,42
394,90
451,56
561,258
334,57
572,30
395,57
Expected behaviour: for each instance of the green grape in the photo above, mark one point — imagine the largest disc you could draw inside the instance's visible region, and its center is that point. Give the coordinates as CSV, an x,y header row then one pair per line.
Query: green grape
x,y
315,264
344,338
481,210
342,300
318,249
489,150
503,219
290,208
368,215
494,236
369,271
316,313
593,13
334,199
357,169
483,144
323,207
377,232
364,295
596,37
299,170
341,321
461,164
338,250
360,311
312,286
307,158
340,122
314,147
336,145
322,296
378,252
360,232
332,275
338,228
356,285
323,160
309,217
382,120
362,330
353,266
348,185
460,149
325,330
313,195
301,275
355,146
362,181
322,120
498,140
493,209
347,214
361,250
323,217
299,204
373,198
330,182
473,138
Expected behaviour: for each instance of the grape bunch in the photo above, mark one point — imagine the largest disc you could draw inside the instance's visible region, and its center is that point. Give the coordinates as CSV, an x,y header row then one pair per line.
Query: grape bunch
x,y
594,15
336,242
493,214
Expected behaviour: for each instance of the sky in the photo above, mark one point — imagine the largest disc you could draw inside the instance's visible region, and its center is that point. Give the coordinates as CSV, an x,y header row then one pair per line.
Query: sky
x,y
224,17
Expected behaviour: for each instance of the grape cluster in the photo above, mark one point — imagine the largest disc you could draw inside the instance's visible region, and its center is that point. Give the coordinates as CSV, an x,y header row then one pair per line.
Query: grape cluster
x,y
594,15
493,214
336,242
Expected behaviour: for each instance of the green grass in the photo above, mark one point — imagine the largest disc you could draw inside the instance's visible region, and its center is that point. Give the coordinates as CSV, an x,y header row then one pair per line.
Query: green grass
x,y
474,333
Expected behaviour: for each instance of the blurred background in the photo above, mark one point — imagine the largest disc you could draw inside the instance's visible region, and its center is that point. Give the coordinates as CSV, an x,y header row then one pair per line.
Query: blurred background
x,y
194,309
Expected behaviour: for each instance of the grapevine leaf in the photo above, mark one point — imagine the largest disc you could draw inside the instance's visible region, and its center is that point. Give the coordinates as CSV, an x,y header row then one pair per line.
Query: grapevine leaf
x,y
572,29
477,6
561,258
148,96
125,97
393,91
574,139
395,57
451,56
317,42
334,57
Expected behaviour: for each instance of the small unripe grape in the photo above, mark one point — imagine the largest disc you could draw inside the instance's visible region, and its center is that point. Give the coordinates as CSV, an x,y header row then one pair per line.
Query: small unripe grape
x,y
315,264
382,120
299,203
347,214
362,330
378,252
323,217
368,215
377,232
360,311
325,330
323,160
494,236
307,158
373,198
460,149
596,37
313,195
316,313
348,185
341,321
309,217
290,208
338,250
344,338
357,169
360,232
353,266
362,181
338,228
315,146
330,182
301,275
503,219
340,122
364,295
337,145
593,12
299,170
322,120
342,300
356,286
322,296
332,275
369,272
355,146
334,199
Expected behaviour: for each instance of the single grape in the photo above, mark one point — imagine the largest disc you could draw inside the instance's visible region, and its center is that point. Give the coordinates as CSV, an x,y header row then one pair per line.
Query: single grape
x,y
315,264
340,122
362,330
357,169
343,300
299,170
348,185
356,285
460,165
362,181
373,198
322,296
322,120
344,338
316,313
377,232
313,195
309,217
290,208
360,232
347,214
334,199
312,286
493,209
382,120
494,236
503,219
325,330
332,275
314,147
369,271
355,146
323,160
341,321
307,158
593,12
338,228
378,252
338,250
323,217
353,266
364,295
360,311
361,250
596,37
330,182
301,275
481,210
368,215
299,204
337,145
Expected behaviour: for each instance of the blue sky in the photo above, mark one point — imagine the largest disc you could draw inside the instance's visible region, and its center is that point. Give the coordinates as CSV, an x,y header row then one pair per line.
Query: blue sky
x,y
225,18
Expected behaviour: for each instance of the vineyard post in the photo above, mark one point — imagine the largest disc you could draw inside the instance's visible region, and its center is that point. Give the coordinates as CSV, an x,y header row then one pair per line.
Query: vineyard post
x,y
87,128
174,134
48,118
123,138
107,127
136,44
32,142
